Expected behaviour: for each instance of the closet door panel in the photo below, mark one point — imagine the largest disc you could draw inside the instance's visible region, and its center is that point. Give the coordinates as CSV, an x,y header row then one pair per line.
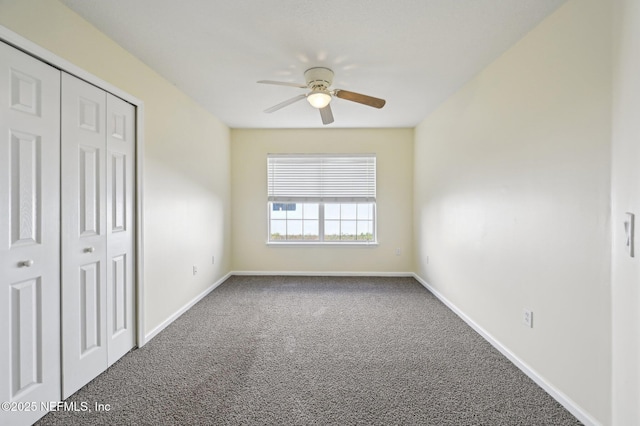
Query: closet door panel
x,y
120,232
29,234
84,238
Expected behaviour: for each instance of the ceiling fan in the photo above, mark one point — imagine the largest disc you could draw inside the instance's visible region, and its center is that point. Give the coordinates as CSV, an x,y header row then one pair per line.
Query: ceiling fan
x,y
319,80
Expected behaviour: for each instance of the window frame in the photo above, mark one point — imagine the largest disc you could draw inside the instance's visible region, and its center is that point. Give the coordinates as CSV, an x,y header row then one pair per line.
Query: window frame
x,y
321,228
358,170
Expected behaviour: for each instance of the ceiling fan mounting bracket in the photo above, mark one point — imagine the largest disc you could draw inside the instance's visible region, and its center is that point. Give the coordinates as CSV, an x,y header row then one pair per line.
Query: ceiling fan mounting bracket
x,y
318,78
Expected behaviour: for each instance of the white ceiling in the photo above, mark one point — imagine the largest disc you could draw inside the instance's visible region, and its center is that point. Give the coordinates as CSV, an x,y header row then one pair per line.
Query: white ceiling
x,y
413,53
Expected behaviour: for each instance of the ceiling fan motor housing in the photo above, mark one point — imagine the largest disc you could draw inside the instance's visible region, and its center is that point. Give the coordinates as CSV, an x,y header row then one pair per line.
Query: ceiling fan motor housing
x,y
318,78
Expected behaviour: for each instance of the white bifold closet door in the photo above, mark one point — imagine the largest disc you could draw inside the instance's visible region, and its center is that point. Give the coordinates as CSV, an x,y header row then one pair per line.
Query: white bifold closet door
x,y
29,236
98,144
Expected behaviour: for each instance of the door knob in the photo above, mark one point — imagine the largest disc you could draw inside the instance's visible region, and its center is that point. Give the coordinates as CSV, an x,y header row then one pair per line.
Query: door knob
x,y
89,250
25,263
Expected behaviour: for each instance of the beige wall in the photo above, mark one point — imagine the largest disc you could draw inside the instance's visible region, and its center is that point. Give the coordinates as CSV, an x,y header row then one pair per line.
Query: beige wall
x,y
626,198
393,147
186,170
511,198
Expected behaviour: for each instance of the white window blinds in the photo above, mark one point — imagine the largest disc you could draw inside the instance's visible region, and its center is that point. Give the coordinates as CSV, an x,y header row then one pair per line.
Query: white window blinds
x,y
321,177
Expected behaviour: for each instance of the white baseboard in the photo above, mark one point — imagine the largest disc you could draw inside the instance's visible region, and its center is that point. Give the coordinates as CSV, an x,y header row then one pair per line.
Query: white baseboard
x,y
325,273
559,396
150,335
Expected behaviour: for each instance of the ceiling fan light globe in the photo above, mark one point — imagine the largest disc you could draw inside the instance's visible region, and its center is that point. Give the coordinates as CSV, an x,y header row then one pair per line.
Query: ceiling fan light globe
x,y
319,99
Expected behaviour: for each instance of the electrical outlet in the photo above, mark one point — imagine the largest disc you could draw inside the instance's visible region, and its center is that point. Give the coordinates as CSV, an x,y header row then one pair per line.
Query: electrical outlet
x,y
213,260
195,270
527,318
427,260
398,252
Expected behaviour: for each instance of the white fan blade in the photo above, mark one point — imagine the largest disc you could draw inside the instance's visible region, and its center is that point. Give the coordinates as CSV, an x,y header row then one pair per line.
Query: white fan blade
x,y
283,83
326,114
285,103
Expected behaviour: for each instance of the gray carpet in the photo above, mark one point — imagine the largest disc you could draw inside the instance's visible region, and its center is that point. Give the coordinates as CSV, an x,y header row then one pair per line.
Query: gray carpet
x,y
316,351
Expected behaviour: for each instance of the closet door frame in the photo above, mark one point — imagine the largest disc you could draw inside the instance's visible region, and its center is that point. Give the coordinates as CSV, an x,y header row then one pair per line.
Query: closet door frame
x,y
32,49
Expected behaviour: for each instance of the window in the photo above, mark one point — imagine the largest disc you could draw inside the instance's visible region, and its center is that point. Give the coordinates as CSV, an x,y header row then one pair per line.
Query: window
x,y
322,198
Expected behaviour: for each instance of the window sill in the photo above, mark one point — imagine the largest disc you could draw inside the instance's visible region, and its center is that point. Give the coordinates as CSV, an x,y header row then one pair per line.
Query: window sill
x,y
321,244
